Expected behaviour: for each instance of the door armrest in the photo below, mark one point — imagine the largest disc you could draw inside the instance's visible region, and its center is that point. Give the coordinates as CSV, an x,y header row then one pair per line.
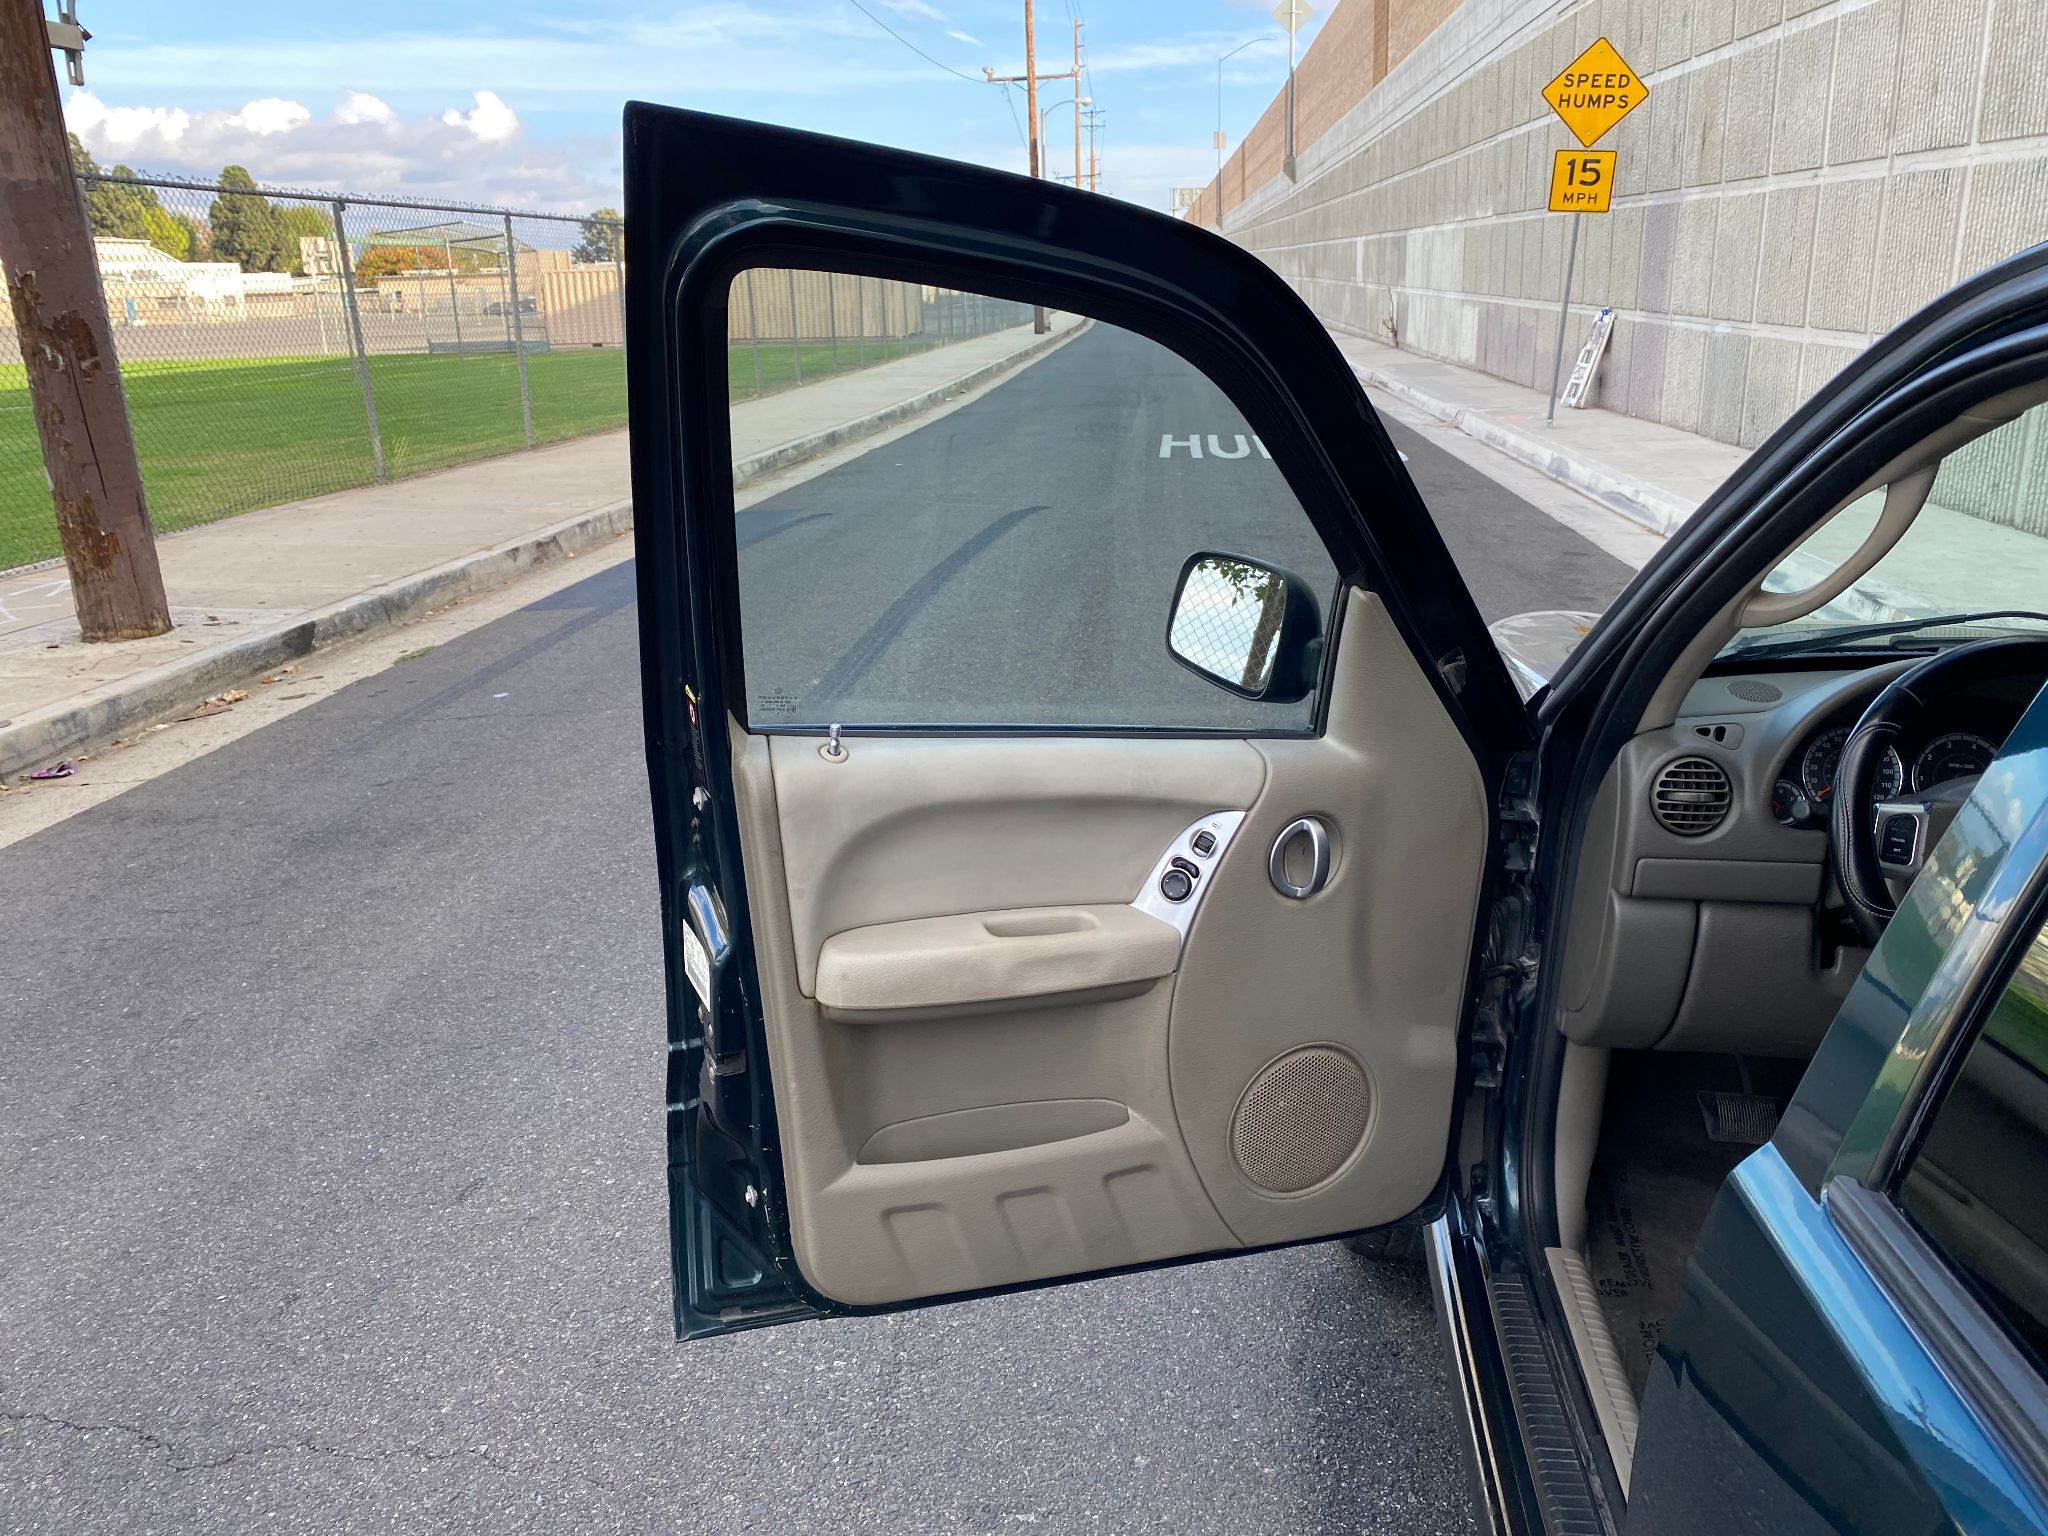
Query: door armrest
x,y
989,957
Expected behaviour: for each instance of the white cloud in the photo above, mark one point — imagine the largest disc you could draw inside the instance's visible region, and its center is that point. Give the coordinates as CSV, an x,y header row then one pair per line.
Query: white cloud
x,y
101,126
491,120
362,147
916,8
361,107
270,115
968,38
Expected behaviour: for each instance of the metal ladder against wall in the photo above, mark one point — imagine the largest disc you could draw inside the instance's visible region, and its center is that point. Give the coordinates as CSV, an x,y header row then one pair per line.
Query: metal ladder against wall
x,y
1581,382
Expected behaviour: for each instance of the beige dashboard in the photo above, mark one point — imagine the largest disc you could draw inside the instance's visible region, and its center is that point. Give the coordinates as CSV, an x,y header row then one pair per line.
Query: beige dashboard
x,y
1699,917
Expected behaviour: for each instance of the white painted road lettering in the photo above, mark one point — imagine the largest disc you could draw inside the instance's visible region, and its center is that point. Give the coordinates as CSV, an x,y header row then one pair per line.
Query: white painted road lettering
x,y
1222,445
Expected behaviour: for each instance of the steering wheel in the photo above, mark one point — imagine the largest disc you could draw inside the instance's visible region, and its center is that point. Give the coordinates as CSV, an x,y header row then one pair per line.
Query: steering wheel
x,y
1899,837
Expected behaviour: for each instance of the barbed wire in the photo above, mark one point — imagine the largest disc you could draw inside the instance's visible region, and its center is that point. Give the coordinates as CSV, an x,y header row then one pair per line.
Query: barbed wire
x,y
314,195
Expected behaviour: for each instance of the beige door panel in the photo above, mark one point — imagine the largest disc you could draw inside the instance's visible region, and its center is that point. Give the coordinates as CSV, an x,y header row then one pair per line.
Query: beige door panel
x,y
929,826
962,1145
1372,966
989,1067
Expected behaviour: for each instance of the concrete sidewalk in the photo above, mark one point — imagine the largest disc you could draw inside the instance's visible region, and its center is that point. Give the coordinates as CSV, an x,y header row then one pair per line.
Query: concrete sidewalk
x,y
1650,473
250,593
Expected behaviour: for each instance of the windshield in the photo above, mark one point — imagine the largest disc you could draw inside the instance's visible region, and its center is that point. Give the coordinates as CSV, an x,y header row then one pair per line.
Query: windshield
x,y
1979,547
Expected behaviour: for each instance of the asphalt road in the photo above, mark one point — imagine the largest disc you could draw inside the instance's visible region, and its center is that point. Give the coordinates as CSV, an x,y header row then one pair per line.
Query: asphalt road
x,y
330,1132
1015,560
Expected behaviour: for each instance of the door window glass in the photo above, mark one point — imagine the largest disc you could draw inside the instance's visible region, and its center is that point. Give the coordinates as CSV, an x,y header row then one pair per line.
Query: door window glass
x,y
1974,1185
947,516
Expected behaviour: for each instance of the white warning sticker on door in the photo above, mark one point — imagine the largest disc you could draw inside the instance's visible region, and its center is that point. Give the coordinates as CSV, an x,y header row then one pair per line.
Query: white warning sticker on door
x,y
697,965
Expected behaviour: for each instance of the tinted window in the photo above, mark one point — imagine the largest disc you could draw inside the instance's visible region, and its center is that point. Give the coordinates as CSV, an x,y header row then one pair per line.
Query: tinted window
x,y
1975,1183
1005,549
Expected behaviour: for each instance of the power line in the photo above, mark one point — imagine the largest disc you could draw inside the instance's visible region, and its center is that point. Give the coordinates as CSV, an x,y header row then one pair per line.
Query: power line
x,y
1016,122
906,42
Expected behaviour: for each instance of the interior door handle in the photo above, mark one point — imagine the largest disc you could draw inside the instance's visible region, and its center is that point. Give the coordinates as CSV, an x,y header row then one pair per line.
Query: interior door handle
x,y
1318,837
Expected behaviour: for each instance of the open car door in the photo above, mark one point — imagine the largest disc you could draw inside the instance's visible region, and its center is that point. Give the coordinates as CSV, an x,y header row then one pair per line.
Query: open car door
x,y
1073,752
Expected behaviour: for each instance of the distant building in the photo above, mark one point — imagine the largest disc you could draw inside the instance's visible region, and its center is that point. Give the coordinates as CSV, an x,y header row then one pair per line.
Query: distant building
x,y
143,283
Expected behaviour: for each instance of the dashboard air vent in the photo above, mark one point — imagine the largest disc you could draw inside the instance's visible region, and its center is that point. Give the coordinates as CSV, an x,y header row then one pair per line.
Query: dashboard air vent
x,y
1691,797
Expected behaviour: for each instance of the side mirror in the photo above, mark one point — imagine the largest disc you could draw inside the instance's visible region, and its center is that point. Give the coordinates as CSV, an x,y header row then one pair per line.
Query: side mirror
x,y
1247,627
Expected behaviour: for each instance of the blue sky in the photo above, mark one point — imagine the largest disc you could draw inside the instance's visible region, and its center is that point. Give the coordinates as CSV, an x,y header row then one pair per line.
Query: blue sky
x,y
519,102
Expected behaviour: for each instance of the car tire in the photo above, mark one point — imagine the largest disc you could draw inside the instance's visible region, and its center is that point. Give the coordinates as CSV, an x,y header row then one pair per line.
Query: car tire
x,y
1388,1245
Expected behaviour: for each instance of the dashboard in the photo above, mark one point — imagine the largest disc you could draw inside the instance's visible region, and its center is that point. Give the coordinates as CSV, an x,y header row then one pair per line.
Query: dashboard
x,y
1705,912
1959,741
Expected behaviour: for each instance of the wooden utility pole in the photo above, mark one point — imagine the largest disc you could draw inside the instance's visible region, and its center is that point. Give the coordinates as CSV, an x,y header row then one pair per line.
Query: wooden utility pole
x,y
67,346
1031,85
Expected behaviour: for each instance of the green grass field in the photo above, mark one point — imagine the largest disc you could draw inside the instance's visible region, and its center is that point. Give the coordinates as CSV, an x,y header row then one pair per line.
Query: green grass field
x,y
217,438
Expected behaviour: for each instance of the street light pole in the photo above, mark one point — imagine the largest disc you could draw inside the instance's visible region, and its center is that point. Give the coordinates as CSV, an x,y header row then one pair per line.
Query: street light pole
x,y
1270,37
1293,13
1052,107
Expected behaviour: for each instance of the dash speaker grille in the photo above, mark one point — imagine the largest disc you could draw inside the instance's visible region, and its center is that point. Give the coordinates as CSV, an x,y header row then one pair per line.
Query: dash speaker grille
x,y
1301,1119
1756,691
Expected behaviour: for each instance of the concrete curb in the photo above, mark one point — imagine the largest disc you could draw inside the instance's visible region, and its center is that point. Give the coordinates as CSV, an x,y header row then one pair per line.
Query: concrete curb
x,y
130,703
144,698
797,449
1637,500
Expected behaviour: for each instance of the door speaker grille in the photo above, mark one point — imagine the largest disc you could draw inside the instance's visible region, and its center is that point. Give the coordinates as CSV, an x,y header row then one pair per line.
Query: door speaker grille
x,y
1691,796
1301,1119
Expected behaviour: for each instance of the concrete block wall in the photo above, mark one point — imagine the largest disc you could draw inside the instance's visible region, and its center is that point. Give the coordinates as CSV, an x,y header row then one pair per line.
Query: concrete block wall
x,y
1802,177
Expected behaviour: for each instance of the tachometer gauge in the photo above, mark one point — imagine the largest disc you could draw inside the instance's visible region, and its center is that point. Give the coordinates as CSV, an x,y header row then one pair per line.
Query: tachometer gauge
x,y
1957,755
1823,758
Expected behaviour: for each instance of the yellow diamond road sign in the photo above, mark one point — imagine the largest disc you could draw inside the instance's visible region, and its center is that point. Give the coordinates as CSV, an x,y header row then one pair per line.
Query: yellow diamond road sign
x,y
1596,91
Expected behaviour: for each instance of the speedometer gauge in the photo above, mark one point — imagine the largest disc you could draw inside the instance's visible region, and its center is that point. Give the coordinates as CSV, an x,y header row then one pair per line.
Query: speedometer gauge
x,y
1958,755
1823,759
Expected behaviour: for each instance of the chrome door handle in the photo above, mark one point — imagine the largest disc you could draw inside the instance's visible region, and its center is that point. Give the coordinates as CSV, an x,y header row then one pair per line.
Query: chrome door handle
x,y
1318,837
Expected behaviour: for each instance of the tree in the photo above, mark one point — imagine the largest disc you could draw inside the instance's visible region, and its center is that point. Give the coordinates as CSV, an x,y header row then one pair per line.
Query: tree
x,y
604,238
199,238
303,221
120,208
248,230
385,260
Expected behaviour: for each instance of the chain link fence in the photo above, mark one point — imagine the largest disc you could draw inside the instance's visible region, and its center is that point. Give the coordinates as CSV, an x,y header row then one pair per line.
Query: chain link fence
x,y
279,344
276,345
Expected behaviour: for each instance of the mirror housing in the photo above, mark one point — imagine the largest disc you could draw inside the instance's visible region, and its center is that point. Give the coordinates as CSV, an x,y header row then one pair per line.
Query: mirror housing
x,y
1247,627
